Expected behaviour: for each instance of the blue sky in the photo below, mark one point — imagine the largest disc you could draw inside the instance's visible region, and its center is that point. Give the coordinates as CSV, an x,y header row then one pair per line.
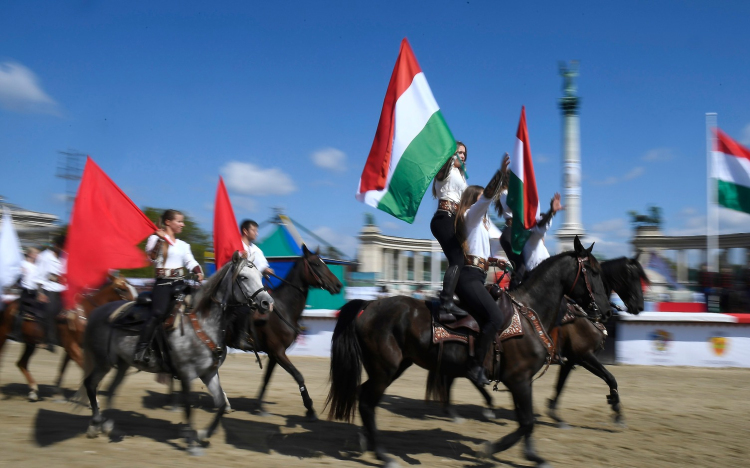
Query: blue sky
x,y
283,99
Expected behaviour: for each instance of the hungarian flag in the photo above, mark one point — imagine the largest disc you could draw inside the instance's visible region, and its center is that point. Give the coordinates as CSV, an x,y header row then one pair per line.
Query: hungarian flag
x,y
523,198
104,231
731,169
227,238
411,143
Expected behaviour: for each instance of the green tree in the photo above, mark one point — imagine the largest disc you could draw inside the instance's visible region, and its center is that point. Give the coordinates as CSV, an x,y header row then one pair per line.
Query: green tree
x,y
199,241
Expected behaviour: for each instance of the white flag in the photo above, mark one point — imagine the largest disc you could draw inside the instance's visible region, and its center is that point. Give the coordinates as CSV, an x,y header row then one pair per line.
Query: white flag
x,y
10,252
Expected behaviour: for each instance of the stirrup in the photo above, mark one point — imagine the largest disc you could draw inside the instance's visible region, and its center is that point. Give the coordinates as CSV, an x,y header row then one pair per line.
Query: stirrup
x,y
142,356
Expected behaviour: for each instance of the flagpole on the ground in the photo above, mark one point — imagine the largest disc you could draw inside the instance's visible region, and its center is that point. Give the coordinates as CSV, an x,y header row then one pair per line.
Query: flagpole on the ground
x,y
712,211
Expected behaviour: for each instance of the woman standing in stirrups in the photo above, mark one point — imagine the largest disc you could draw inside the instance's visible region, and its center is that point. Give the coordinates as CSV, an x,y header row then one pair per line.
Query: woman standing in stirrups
x,y
449,184
473,234
171,257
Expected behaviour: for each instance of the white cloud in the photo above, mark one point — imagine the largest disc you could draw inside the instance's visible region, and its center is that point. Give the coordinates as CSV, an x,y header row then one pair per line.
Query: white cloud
x,y
330,158
391,226
634,173
618,227
658,154
246,203
612,180
694,224
249,179
343,242
60,197
605,248
542,158
745,137
20,91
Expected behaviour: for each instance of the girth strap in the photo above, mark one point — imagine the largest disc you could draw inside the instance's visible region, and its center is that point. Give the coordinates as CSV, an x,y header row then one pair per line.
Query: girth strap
x,y
203,336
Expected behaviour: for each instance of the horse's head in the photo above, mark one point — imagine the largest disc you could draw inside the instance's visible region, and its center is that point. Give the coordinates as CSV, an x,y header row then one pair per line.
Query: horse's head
x,y
317,274
247,284
636,279
587,287
121,289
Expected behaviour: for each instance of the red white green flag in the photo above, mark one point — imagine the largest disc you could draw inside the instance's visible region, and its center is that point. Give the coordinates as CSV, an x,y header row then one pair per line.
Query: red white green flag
x,y
411,143
731,169
523,198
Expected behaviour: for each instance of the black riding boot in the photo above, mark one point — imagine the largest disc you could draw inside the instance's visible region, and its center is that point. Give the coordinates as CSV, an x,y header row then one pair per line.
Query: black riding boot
x,y
476,373
141,349
242,340
448,309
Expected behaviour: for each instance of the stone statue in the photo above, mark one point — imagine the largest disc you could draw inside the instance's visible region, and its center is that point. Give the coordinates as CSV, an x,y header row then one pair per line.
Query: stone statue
x,y
569,73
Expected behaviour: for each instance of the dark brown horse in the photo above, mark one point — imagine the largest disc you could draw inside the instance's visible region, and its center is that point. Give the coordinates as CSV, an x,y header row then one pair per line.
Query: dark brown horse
x,y
281,329
389,335
69,328
579,340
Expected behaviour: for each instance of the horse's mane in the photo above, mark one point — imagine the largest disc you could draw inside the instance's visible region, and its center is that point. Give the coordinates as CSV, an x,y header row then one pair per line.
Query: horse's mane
x,y
204,294
615,272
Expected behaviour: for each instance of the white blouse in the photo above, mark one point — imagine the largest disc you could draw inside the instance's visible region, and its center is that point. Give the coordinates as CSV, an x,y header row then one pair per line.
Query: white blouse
x,y
452,187
178,255
49,266
478,228
259,259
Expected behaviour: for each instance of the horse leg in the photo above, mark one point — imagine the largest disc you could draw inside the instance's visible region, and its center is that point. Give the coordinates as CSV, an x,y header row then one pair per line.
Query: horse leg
x,y
23,365
122,369
562,377
213,384
447,407
60,372
592,364
270,365
287,365
489,411
522,398
188,432
91,383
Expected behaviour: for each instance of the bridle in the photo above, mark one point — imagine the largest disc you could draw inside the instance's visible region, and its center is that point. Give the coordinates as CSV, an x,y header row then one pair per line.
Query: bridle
x,y
248,298
309,271
582,269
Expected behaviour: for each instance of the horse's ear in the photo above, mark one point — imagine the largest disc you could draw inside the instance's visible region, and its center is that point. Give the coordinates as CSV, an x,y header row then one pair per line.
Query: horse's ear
x,y
305,250
577,245
236,256
111,277
637,254
588,251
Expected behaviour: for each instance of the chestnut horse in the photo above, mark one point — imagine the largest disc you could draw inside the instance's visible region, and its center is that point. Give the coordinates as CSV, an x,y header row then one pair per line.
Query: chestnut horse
x,y
70,327
387,336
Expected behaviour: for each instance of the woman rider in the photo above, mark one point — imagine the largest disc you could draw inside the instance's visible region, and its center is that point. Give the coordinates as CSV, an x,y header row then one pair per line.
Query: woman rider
x,y
472,231
171,257
449,184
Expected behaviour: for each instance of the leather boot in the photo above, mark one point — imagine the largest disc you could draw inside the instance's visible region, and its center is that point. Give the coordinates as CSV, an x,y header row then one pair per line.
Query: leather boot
x,y
449,312
243,341
141,349
476,372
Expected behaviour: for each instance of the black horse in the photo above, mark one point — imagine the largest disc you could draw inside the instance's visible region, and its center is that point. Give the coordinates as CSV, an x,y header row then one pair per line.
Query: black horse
x,y
389,335
281,329
579,340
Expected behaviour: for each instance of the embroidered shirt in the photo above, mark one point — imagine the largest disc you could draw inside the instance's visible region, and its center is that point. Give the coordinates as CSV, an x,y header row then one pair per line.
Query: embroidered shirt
x,y
477,228
50,270
452,187
178,255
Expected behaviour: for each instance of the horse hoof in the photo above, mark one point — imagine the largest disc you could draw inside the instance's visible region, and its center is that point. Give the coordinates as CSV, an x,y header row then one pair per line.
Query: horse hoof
x,y
173,409
488,414
391,464
486,451
228,409
362,442
544,465
202,437
458,420
311,416
263,413
195,451
93,431
107,427
563,425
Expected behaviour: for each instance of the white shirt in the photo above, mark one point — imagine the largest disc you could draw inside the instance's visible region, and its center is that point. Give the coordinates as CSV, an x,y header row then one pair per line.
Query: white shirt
x,y
452,187
260,260
28,273
477,228
534,251
178,255
48,266
507,213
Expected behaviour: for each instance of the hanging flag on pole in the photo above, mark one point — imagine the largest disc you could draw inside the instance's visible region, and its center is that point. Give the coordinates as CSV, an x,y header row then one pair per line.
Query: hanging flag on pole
x,y
411,143
227,237
10,252
104,231
523,198
731,169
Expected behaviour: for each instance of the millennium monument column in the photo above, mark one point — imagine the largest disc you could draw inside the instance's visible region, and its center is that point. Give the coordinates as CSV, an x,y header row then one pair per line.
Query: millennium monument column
x,y
571,143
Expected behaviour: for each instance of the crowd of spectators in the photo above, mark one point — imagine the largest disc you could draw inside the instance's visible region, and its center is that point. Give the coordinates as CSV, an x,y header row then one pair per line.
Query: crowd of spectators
x,y
729,288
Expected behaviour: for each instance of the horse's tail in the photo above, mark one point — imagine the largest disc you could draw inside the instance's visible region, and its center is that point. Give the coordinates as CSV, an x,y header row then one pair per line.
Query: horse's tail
x,y
437,387
346,363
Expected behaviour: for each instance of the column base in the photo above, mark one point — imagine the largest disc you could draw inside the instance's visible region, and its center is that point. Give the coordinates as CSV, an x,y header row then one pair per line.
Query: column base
x,y
566,235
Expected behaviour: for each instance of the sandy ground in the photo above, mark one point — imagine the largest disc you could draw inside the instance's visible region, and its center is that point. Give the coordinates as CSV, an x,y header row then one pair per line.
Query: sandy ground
x,y
676,417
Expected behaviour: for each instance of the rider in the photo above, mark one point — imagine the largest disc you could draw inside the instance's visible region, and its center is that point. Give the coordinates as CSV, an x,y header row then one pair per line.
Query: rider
x,y
472,231
449,184
171,257
534,251
249,230
50,281
28,290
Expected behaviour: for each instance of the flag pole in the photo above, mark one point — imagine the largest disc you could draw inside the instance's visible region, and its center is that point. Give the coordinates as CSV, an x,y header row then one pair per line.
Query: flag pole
x,y
712,212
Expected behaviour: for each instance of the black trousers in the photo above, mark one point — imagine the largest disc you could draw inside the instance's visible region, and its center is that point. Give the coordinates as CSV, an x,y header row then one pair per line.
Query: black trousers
x,y
161,296
52,307
444,230
477,300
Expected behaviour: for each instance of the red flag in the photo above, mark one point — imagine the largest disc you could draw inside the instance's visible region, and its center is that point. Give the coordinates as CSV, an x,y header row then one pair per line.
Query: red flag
x,y
104,232
227,238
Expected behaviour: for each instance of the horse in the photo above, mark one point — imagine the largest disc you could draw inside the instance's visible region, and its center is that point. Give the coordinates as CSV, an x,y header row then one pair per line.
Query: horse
x,y
281,329
69,329
388,335
580,339
197,349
